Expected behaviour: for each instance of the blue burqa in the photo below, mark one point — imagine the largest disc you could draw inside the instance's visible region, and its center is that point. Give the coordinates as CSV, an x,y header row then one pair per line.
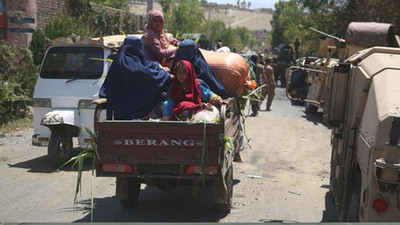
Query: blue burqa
x,y
133,86
189,51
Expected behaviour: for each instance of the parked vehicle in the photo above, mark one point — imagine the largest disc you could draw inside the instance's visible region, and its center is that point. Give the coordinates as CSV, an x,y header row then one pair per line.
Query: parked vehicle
x,y
363,108
70,76
285,60
360,99
297,86
169,153
333,50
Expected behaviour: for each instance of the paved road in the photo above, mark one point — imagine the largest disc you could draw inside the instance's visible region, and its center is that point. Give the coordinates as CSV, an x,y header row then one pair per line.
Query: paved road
x,y
289,150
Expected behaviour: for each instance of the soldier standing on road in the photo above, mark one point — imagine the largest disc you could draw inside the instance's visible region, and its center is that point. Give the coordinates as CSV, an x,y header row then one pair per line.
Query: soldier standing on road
x,y
274,65
296,48
269,80
259,72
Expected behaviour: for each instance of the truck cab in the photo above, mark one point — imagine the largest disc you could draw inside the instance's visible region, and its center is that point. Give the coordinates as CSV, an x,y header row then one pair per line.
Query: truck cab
x,y
70,77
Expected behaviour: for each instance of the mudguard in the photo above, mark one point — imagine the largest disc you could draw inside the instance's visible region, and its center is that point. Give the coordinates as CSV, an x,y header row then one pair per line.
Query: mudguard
x,y
59,117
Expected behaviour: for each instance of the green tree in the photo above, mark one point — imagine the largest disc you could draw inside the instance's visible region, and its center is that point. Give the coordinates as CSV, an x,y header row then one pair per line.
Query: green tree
x,y
187,17
167,6
215,29
77,8
243,4
119,4
66,25
18,77
287,23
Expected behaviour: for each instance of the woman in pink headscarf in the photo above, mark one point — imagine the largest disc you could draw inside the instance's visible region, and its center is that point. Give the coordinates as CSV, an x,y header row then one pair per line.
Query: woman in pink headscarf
x,y
158,46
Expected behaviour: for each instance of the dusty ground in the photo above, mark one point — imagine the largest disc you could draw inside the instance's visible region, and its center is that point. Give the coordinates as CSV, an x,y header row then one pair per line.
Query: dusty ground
x,y
290,152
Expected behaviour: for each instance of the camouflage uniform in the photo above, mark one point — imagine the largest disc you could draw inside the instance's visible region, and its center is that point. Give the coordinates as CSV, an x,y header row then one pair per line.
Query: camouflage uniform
x,y
269,89
259,72
274,65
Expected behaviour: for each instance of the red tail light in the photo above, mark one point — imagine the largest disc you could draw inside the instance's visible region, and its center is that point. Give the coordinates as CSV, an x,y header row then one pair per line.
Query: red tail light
x,y
208,170
117,167
380,205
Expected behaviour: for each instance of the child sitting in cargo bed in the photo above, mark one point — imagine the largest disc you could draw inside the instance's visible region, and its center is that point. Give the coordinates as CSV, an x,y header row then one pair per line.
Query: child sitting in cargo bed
x,y
186,95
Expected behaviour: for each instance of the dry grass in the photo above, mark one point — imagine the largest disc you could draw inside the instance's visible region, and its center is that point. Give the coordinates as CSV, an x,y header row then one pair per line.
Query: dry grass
x,y
16,125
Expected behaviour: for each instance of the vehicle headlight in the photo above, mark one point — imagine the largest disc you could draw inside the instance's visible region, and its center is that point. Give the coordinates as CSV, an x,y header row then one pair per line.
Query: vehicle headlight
x,y
86,104
42,102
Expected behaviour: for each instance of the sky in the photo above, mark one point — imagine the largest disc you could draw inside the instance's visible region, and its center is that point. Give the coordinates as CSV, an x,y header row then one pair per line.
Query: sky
x,y
254,3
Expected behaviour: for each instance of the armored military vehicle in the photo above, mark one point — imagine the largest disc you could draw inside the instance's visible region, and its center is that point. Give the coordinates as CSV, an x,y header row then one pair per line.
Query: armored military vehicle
x,y
364,108
361,101
359,36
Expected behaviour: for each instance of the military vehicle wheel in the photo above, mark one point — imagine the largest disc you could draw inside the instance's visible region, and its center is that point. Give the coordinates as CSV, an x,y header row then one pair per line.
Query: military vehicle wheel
x,y
128,190
354,204
310,108
59,150
227,205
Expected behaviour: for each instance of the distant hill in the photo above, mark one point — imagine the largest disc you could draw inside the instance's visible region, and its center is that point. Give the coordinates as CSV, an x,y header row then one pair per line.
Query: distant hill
x,y
254,20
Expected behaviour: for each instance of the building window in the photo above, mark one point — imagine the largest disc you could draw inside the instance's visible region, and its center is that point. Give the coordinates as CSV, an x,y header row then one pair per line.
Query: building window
x,y
1,6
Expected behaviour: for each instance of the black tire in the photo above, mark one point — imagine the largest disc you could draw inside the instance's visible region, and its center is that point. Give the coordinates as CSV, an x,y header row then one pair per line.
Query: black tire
x,y
131,190
354,204
227,205
310,108
59,150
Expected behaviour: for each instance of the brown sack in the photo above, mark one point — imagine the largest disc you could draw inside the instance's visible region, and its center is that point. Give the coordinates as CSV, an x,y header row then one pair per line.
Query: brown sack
x,y
230,68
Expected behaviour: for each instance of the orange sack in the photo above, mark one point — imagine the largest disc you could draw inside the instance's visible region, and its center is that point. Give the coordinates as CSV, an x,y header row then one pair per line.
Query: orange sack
x,y
230,68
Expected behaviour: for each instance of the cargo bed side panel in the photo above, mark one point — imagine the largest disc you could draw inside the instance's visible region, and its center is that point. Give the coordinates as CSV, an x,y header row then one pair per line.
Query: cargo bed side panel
x,y
158,143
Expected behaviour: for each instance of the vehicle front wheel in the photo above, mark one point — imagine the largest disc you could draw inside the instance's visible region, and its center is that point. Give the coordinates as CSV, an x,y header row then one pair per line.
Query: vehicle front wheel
x,y
128,190
311,108
59,150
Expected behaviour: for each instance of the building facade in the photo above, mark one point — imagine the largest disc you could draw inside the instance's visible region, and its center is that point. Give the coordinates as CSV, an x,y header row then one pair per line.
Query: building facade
x,y
20,18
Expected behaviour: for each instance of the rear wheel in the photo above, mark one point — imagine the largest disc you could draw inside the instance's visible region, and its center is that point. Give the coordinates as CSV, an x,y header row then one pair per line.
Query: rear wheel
x,y
354,204
226,206
128,190
59,150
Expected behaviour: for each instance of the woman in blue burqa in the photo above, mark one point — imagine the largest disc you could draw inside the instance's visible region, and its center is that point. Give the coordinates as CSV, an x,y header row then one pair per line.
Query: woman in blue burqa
x,y
133,85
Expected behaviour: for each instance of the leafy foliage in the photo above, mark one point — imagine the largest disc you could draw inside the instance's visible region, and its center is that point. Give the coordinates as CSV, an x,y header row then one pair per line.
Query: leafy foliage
x,y
92,154
187,17
84,19
18,77
119,4
238,38
293,18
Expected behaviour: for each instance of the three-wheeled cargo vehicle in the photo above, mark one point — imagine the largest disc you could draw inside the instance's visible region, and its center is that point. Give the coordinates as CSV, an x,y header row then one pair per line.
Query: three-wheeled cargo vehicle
x,y
168,153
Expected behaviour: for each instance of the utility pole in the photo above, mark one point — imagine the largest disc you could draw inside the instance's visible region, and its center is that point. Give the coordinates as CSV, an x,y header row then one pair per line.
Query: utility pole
x,y
211,44
149,5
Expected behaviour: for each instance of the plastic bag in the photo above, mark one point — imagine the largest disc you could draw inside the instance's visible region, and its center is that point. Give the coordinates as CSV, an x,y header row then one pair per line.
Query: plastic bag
x,y
207,116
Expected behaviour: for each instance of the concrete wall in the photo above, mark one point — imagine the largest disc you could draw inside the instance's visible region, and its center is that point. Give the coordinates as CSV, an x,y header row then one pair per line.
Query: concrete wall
x,y
48,10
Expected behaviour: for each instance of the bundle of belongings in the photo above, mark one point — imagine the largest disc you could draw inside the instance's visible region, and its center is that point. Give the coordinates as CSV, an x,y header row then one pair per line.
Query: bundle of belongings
x,y
139,89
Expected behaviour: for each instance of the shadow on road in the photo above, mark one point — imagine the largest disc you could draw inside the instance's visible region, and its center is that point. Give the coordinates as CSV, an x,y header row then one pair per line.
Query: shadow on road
x,y
154,205
316,118
43,165
330,213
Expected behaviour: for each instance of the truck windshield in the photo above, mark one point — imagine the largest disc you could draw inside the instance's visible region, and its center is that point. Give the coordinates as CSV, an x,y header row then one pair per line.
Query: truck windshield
x,y
75,62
